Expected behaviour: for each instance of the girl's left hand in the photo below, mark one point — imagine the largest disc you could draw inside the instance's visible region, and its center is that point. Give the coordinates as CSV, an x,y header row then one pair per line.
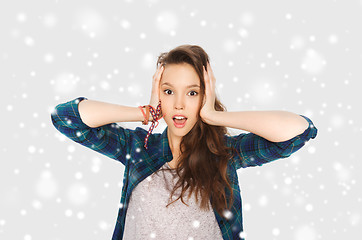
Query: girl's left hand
x,y
208,109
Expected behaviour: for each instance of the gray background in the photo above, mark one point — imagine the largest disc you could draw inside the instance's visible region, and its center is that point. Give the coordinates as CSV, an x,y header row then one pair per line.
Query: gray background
x,y
299,56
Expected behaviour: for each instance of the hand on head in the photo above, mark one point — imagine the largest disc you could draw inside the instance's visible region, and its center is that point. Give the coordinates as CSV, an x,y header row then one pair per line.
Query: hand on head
x,y
155,94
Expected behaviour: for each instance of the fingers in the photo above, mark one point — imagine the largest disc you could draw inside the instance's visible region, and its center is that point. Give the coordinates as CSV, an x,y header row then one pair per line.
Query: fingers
x,y
206,80
209,78
158,73
158,79
210,73
207,73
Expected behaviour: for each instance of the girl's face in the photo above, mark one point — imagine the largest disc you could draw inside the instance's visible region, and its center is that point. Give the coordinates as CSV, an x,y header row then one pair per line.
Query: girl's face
x,y
180,94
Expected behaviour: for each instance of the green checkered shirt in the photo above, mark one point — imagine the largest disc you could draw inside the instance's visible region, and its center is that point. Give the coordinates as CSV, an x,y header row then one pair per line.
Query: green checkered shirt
x,y
127,146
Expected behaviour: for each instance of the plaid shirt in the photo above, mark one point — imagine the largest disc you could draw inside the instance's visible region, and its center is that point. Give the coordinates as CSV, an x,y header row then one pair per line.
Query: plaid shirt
x,y
127,146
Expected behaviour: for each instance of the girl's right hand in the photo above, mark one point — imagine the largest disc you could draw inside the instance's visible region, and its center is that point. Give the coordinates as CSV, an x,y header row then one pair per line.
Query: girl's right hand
x,y
155,94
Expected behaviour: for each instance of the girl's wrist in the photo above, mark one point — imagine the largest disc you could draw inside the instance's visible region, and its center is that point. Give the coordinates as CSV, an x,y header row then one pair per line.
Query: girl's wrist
x,y
150,118
143,110
151,114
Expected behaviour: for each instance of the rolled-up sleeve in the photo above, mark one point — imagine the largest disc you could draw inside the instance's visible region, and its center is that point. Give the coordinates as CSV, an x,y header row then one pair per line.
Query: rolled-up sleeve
x,y
253,150
111,140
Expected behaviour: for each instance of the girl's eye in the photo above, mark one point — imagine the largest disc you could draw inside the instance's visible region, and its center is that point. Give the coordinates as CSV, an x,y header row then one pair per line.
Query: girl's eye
x,y
167,90
195,93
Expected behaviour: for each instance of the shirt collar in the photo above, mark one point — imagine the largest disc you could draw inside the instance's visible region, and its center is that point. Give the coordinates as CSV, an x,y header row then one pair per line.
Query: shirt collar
x,y
165,147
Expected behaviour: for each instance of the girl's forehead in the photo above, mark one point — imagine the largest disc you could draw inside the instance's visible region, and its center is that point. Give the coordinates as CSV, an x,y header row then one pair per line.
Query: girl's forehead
x,y
180,75
174,69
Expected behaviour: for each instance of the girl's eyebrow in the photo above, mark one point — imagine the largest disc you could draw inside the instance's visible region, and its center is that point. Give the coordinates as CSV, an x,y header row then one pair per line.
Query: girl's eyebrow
x,y
190,86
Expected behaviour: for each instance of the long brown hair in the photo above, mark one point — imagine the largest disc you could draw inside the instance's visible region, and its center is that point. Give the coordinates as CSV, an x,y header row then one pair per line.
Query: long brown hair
x,y
204,156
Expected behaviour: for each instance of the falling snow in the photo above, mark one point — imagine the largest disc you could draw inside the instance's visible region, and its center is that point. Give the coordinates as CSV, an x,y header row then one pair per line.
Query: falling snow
x,y
303,59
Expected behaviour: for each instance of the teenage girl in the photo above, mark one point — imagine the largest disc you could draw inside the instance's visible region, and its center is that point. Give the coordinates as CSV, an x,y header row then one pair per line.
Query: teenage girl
x,y
194,160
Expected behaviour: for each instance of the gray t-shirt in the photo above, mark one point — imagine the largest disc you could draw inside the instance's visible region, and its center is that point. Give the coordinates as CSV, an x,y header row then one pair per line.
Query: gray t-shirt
x,y
148,218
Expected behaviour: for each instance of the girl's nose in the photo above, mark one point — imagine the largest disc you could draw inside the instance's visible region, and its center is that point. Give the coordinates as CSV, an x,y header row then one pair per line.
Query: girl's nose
x,y
179,103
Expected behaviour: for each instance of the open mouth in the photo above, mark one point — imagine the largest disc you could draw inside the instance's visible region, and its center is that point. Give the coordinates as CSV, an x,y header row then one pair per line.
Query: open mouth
x,y
180,122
